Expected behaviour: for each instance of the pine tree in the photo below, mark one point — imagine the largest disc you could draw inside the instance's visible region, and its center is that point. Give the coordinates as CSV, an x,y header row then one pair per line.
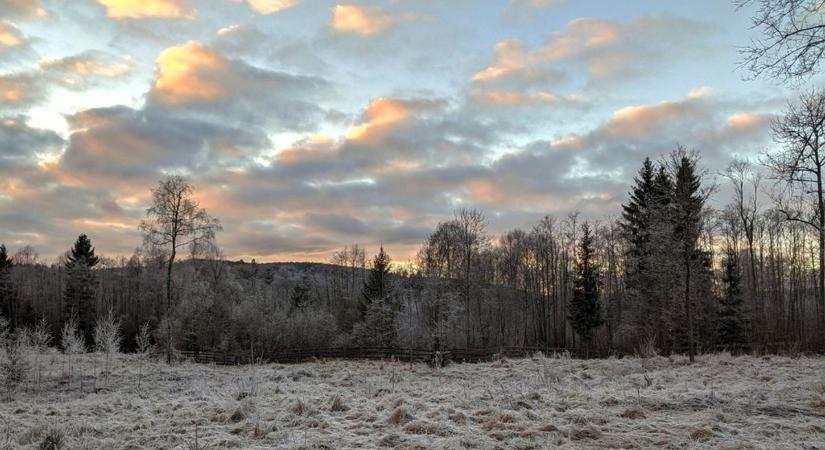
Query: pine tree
x,y
82,252
79,295
376,287
731,325
585,308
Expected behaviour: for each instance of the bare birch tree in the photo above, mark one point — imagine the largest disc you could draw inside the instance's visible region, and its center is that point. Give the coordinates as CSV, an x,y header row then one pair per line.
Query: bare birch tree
x,y
175,220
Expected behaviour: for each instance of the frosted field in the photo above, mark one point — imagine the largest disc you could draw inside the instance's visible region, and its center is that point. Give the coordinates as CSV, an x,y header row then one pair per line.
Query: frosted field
x,y
541,402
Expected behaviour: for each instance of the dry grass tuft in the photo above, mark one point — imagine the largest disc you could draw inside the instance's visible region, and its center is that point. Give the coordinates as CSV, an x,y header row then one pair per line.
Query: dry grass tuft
x,y
390,441
237,416
399,416
585,434
53,440
423,427
633,414
337,405
458,418
700,434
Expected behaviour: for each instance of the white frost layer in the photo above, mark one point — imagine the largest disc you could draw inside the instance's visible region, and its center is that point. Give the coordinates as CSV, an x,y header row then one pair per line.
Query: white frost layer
x,y
542,402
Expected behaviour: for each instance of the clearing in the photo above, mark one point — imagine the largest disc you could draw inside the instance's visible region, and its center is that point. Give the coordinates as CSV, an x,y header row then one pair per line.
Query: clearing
x,y
541,402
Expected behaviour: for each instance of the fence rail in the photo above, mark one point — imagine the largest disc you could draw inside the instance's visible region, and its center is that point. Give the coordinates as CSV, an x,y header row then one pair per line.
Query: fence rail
x,y
291,356
377,353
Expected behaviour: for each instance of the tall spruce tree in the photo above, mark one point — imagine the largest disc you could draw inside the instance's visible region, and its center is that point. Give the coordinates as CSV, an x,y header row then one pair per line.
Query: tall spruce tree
x,y
635,214
649,273
585,308
686,207
731,327
79,294
6,289
636,228
82,252
376,287
301,294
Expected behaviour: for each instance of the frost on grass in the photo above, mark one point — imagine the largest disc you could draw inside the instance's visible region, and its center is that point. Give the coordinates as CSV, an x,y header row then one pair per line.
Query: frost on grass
x,y
540,402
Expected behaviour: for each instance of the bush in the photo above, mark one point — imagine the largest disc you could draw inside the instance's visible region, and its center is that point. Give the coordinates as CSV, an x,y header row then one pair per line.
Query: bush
x,y
14,364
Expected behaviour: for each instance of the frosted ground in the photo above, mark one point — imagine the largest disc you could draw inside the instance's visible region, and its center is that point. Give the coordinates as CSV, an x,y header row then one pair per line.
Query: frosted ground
x,y
541,402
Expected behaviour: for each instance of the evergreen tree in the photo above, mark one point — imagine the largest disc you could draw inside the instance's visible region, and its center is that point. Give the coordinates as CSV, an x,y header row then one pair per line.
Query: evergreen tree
x,y
585,308
301,294
6,289
79,299
376,287
687,204
79,294
731,327
649,273
82,252
635,214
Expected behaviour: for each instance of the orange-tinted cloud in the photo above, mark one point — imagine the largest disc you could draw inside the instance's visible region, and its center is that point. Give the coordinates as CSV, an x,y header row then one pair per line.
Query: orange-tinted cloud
x,y
606,48
271,6
538,4
76,71
746,121
511,98
642,121
10,36
21,8
12,91
186,74
143,9
358,20
380,115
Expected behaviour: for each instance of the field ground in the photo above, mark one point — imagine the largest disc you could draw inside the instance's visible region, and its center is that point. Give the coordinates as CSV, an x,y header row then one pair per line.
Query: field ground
x,y
769,402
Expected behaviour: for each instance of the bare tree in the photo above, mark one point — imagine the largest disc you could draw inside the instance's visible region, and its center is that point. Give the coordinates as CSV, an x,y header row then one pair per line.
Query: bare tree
x,y
173,221
472,233
746,205
799,165
793,40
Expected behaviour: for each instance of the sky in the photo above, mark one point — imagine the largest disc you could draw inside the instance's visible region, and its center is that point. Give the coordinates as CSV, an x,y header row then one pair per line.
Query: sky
x,y
307,125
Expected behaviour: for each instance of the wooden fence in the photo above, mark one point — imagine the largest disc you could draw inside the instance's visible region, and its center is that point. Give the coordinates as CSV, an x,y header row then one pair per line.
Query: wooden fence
x,y
291,356
378,353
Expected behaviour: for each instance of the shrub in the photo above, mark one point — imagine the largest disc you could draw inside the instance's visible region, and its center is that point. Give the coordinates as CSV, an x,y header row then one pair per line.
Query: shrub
x,y
14,364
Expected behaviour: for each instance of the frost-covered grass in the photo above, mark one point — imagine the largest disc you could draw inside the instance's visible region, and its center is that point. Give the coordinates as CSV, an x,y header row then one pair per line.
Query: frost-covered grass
x,y
721,401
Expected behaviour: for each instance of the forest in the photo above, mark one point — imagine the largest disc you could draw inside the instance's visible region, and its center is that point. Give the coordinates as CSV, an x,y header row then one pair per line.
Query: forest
x,y
668,274
696,259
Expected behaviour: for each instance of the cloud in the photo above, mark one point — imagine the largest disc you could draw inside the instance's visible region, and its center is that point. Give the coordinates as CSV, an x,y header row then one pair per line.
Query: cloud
x,y
22,144
536,4
185,75
143,9
18,91
361,21
10,37
496,98
605,48
195,78
123,145
384,114
24,89
22,9
85,69
271,6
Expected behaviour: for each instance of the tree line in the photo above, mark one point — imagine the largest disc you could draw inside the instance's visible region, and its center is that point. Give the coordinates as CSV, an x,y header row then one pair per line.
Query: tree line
x,y
669,272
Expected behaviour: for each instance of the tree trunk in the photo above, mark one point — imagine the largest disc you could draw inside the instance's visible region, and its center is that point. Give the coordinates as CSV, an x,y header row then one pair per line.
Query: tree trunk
x,y
169,305
687,309
821,287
